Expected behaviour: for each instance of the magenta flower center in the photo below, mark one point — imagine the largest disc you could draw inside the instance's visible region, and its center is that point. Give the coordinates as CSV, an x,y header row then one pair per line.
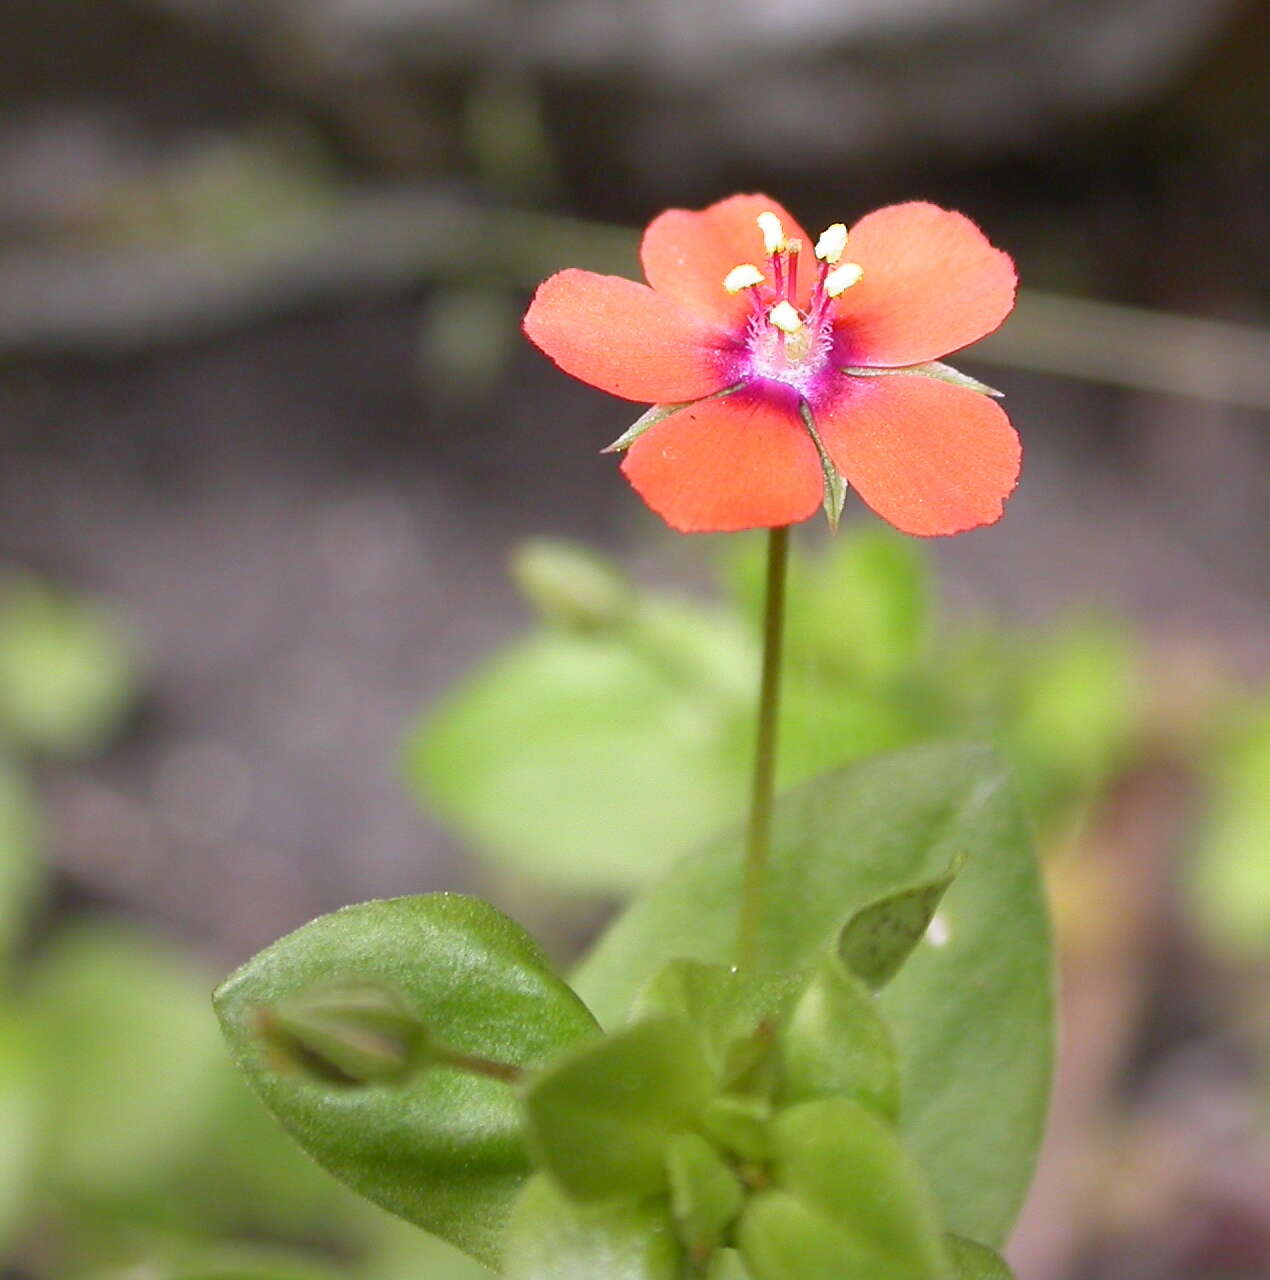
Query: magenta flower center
x,y
784,342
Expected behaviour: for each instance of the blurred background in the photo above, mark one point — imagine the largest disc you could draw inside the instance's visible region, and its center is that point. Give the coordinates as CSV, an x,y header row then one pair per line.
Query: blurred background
x,y
270,439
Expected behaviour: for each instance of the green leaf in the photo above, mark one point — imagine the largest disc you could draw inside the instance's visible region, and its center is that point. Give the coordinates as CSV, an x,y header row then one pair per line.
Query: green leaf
x,y
835,486
445,1149
877,940
835,1043
600,1118
591,761
844,1162
551,1237
705,1194
66,670
971,1010
975,1261
930,369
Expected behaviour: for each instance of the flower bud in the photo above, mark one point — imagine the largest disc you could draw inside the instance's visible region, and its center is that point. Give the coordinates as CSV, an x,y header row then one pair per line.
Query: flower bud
x,y
352,1033
570,586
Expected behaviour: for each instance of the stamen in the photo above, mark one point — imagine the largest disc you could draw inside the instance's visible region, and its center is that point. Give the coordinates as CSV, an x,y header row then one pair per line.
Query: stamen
x,y
793,249
840,279
773,232
785,316
832,242
746,276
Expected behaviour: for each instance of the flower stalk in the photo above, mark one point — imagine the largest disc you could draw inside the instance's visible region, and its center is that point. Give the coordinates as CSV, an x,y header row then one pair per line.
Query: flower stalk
x,y
758,843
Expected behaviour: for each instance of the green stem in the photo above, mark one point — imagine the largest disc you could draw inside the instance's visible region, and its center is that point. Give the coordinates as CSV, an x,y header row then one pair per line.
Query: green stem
x,y
754,884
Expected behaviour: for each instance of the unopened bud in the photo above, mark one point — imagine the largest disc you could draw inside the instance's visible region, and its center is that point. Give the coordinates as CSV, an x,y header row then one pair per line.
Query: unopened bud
x,y
354,1033
570,586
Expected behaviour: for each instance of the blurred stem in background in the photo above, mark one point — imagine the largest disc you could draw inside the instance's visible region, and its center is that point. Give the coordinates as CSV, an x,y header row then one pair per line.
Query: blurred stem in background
x,y
126,295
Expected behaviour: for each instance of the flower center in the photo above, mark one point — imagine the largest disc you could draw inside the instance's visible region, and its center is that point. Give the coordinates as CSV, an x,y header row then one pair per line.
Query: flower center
x,y
785,342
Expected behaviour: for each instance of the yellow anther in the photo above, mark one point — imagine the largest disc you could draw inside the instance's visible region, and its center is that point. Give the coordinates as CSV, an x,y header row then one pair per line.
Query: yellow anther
x,y
773,233
784,315
840,279
746,276
833,240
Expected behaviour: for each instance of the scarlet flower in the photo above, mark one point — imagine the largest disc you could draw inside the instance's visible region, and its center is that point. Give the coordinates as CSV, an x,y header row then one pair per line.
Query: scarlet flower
x,y
771,384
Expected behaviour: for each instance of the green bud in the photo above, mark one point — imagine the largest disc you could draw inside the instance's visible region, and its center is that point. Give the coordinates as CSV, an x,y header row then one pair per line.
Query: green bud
x,y
353,1033
569,586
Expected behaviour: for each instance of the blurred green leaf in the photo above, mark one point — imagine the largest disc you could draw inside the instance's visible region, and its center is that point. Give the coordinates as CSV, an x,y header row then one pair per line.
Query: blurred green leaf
x,y
66,670
21,869
444,1149
129,1060
20,1118
1073,712
554,1238
592,761
1229,874
974,1105
860,609
602,1116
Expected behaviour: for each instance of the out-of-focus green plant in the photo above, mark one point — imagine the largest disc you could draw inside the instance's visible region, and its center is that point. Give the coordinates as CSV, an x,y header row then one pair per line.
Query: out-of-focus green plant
x,y
1229,877
128,1144
67,670
613,737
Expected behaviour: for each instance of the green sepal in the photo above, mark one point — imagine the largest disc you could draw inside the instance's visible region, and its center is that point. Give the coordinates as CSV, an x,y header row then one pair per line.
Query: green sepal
x,y
845,1163
835,1043
971,1261
444,1148
835,483
739,1123
552,1237
929,369
659,413
600,1118
735,1013
705,1195
877,939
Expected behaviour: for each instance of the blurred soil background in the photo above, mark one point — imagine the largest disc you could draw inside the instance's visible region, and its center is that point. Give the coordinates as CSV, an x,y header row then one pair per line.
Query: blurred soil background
x,y
262,393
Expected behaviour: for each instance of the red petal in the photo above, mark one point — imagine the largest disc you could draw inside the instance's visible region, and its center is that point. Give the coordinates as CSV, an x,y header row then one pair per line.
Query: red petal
x,y
628,340
932,284
742,462
930,457
687,253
